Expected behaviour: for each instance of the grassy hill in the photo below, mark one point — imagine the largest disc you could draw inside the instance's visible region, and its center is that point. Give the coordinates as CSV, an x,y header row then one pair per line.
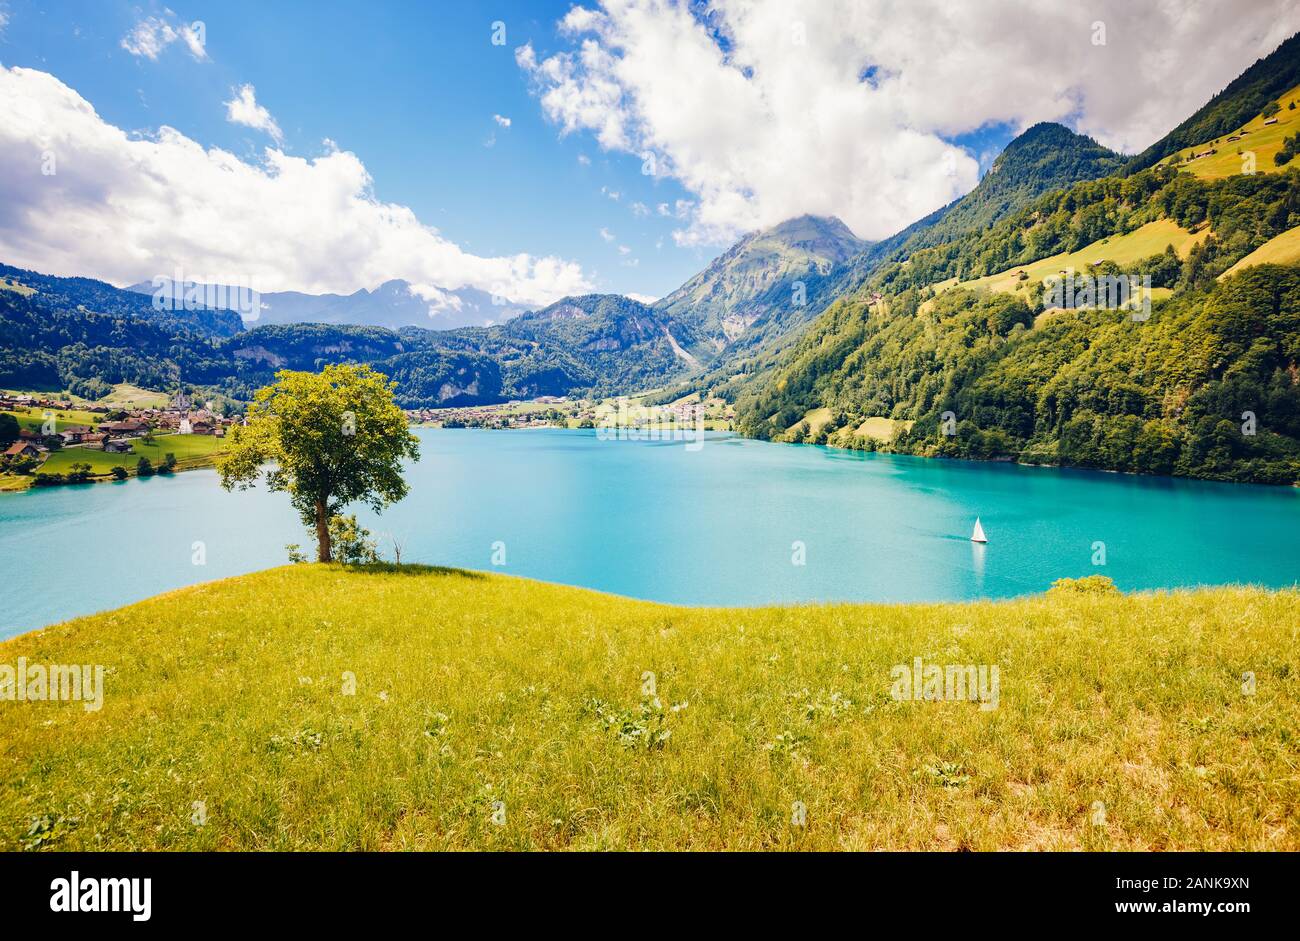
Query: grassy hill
x,y
1256,136
34,418
472,689
1243,98
1127,249
1282,249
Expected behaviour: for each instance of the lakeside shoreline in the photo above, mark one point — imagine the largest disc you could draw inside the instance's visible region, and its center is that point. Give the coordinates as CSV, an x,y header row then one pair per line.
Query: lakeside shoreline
x,y
180,467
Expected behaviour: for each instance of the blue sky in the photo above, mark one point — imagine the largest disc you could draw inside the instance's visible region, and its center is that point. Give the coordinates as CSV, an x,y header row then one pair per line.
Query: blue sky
x,y
756,110
411,88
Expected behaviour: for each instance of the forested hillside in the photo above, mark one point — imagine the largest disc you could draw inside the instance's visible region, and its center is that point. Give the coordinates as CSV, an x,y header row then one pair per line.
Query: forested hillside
x,y
84,335
1081,387
1043,158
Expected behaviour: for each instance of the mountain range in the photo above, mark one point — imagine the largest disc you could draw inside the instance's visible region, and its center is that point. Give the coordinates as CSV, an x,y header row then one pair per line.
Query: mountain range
x,y
817,335
394,304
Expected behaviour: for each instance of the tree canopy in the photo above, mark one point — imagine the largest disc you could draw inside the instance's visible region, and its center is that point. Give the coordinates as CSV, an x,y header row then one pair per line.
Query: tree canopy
x,y
327,439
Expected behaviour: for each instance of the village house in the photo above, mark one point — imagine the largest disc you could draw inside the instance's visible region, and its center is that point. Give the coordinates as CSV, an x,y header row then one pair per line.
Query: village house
x,y
22,449
94,442
117,445
74,434
131,426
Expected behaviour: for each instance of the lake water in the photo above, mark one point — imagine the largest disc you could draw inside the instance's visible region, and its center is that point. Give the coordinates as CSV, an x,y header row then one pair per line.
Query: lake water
x,y
720,526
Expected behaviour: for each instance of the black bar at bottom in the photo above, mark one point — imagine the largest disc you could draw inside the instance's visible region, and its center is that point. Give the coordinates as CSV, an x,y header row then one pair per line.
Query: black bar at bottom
x,y
335,890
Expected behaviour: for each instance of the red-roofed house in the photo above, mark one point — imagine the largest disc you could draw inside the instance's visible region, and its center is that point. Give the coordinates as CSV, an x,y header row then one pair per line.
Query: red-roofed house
x,y
22,449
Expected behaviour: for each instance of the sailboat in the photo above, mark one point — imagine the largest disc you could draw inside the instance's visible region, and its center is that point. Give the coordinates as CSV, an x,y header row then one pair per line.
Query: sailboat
x,y
978,534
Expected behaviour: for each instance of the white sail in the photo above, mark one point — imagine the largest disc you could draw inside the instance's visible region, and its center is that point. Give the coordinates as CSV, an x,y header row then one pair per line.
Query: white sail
x,y
978,535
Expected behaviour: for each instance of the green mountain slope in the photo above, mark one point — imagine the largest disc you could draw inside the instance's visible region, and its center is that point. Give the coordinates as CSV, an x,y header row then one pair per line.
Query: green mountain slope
x,y
622,344
1045,157
52,294
1166,395
1244,98
1042,158
767,283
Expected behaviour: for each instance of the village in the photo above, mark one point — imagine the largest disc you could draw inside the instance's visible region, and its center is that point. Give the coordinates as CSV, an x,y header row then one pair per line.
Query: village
x,y
54,440
556,412
53,431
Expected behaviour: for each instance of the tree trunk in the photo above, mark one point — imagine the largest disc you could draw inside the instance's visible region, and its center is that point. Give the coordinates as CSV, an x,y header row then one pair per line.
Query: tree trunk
x,y
322,533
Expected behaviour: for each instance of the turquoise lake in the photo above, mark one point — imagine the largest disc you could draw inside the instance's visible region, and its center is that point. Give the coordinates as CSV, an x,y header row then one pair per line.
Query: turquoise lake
x,y
715,526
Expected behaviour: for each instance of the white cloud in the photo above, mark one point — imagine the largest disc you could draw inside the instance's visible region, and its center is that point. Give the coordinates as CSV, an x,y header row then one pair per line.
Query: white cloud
x,y
607,235
244,109
646,299
584,160
440,302
639,209
125,209
503,121
149,37
624,250
612,194
843,106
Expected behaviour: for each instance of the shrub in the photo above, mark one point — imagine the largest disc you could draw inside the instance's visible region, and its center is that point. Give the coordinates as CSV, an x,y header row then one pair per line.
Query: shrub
x,y
351,544
1088,585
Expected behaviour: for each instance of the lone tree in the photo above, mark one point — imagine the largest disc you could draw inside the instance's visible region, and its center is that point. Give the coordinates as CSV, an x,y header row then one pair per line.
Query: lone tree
x,y
330,438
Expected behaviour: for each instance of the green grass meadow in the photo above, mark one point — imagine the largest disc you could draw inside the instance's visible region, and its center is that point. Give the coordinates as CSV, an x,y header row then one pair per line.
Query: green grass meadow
x,y
124,395
34,418
190,451
491,712
1262,140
